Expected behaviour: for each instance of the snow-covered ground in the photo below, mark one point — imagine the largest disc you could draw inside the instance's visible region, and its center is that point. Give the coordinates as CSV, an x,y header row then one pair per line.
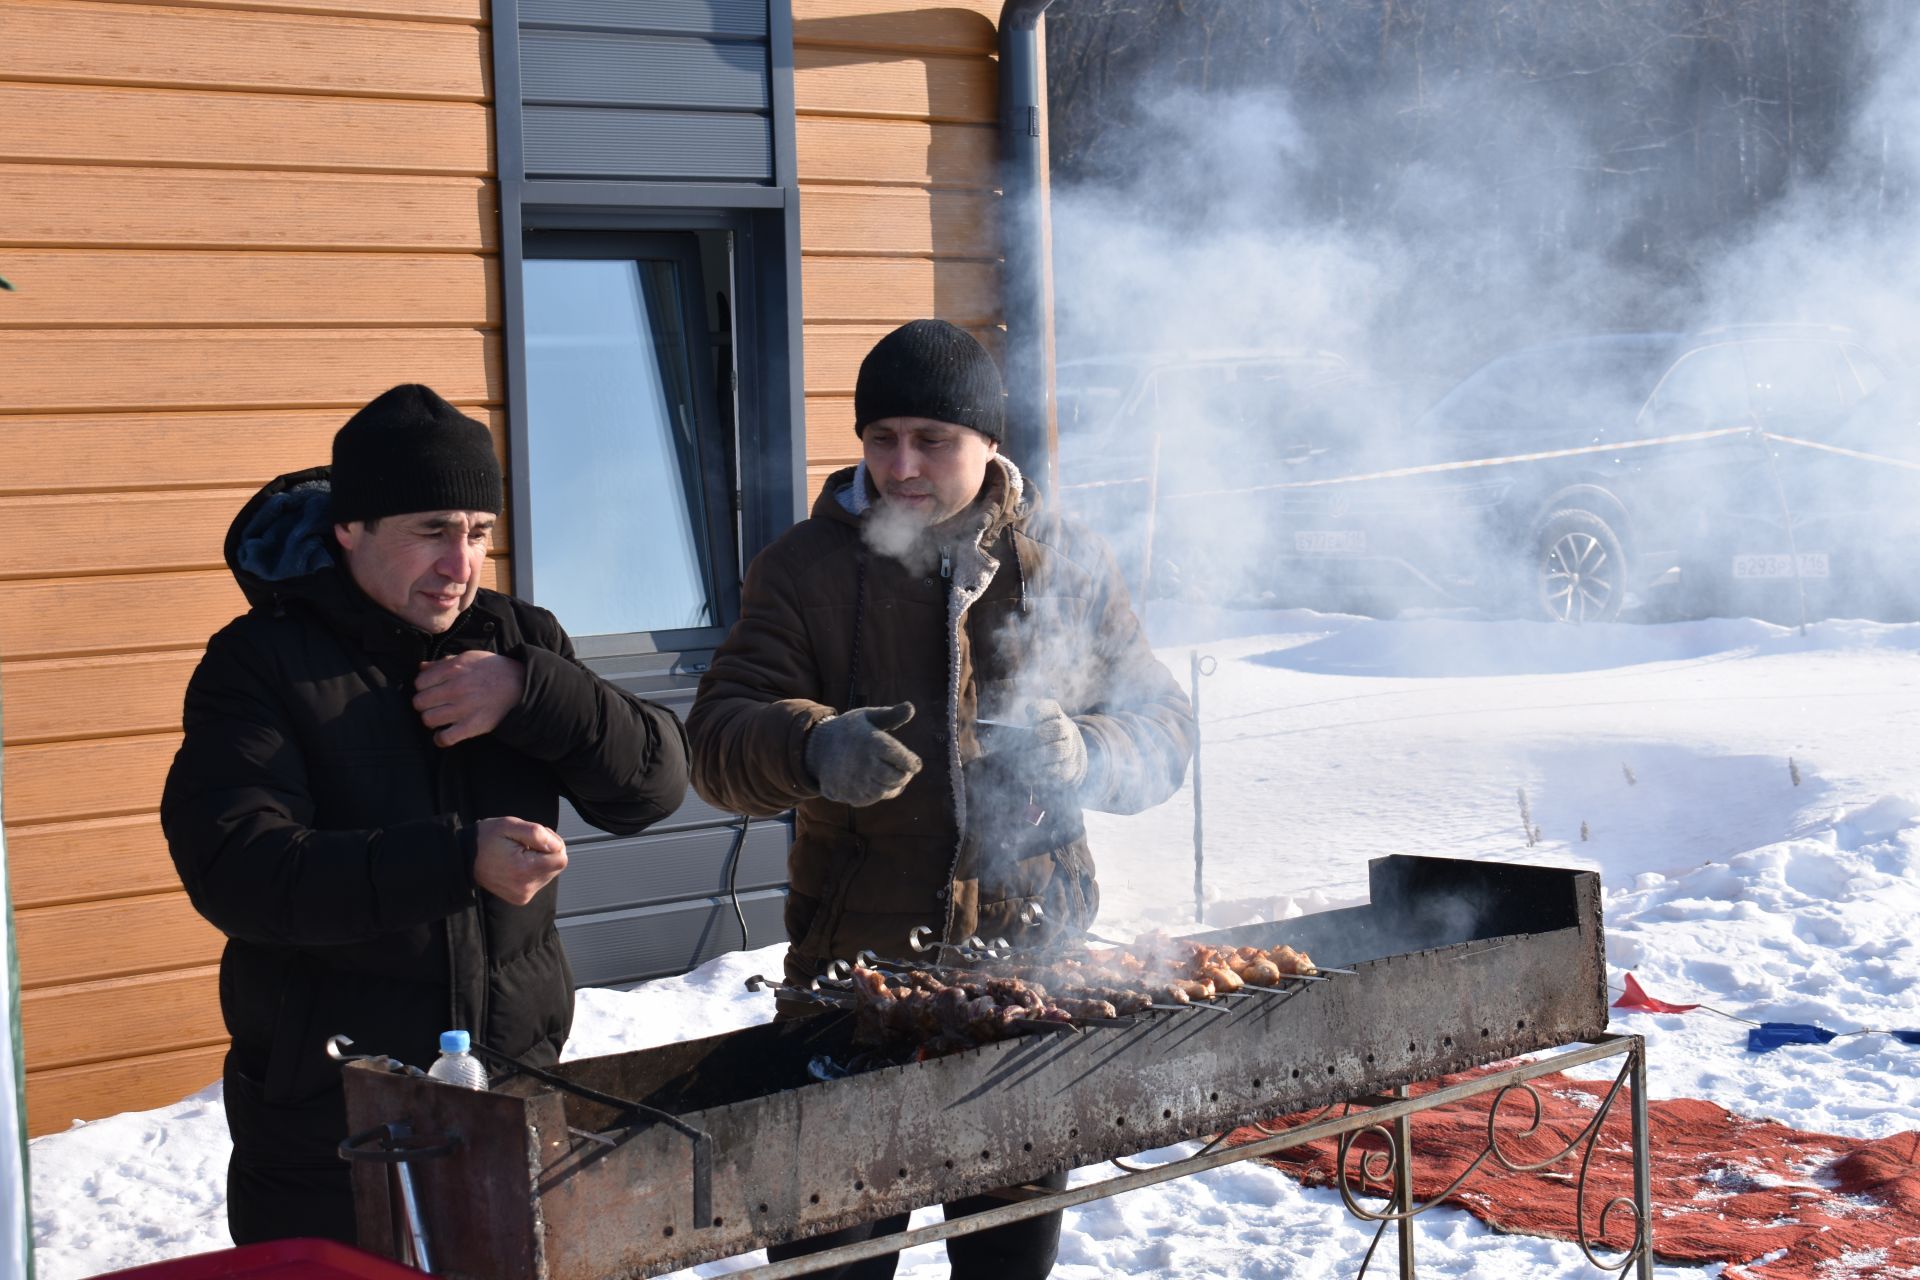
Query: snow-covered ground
x,y
1750,795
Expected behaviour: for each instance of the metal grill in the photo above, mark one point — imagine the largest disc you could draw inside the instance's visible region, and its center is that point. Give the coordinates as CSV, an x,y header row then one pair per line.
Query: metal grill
x,y
634,1164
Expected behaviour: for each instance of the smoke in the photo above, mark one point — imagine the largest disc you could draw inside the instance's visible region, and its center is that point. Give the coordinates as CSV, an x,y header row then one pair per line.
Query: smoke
x,y
902,535
1061,649
1281,284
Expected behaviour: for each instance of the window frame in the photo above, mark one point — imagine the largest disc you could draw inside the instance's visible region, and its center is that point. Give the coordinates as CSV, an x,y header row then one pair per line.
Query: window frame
x,y
767,492
716,451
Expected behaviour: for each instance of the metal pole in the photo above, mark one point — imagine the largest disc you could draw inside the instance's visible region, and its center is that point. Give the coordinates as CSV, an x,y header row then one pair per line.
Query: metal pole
x,y
1608,1046
1642,1157
1403,1184
1786,516
410,1203
1153,500
1199,809
1027,276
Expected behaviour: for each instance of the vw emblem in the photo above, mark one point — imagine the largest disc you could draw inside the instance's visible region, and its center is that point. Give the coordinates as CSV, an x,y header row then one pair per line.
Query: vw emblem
x,y
1338,505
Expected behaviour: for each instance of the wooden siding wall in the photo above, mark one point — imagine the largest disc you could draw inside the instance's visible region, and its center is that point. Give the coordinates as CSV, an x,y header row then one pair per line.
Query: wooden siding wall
x,y
897,112
229,224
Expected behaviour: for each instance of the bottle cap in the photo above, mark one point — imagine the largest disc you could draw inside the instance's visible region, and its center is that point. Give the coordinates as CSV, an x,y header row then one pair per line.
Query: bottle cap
x,y
455,1042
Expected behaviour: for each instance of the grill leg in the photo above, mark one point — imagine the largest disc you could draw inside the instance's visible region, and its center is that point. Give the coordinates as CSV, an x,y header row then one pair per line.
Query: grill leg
x,y
1642,1158
1403,1186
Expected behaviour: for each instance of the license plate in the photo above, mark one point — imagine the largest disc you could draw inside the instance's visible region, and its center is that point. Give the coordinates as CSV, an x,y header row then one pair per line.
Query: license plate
x,y
1325,542
1813,564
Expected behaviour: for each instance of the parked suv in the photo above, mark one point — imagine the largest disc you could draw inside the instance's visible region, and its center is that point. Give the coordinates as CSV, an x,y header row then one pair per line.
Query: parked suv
x,y
1556,481
1613,463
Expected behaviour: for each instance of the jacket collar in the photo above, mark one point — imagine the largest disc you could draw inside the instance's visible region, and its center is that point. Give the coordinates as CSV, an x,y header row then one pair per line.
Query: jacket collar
x,y
281,550
848,496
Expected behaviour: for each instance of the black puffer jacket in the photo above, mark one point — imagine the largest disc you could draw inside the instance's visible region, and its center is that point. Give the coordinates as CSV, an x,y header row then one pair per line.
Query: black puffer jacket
x,y
313,820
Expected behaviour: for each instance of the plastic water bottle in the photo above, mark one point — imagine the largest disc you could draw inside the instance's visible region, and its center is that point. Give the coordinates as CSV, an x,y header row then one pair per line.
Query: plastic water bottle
x,y
455,1065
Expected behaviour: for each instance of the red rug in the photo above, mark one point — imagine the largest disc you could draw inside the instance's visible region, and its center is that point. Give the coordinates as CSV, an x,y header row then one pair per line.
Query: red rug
x,y
1771,1202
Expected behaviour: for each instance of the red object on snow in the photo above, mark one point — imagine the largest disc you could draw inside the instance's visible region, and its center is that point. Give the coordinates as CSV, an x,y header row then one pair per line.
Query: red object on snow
x,y
1772,1203
1637,998
275,1260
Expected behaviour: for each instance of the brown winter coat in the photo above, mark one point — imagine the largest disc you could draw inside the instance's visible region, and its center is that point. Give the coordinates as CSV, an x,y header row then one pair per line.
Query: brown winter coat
x,y
1027,605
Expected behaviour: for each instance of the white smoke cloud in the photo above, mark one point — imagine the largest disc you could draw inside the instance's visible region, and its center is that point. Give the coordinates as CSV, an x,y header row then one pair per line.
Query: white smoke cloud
x,y
1208,240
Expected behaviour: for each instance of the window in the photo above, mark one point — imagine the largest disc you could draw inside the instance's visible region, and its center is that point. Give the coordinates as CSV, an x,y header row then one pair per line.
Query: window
x,y
1798,385
629,470
1867,370
1705,389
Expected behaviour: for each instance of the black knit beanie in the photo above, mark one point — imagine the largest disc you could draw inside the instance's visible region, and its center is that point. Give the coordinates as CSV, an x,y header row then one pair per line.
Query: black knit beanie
x,y
930,369
409,451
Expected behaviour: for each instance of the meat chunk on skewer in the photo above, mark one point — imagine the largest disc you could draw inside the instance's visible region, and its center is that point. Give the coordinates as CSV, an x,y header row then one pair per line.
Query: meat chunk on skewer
x,y
1289,961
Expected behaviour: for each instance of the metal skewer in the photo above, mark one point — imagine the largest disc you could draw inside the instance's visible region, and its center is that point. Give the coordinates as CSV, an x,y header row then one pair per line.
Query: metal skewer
x,y
1045,1024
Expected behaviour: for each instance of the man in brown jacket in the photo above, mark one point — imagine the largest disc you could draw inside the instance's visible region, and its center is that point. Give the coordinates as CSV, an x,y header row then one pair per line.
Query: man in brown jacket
x,y
939,676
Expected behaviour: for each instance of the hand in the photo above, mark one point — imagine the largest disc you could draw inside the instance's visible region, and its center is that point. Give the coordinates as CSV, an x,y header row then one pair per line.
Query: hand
x,y
515,859
1059,751
468,694
856,761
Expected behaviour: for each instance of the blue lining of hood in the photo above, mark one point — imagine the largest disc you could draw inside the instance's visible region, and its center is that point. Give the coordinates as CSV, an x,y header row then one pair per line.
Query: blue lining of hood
x,y
853,499
287,537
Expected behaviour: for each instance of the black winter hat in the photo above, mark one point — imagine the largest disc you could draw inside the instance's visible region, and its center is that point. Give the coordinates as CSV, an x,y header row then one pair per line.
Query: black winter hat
x,y
408,450
930,369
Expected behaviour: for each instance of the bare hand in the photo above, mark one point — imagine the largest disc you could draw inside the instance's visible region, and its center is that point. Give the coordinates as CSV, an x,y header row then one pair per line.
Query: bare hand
x,y
515,859
468,694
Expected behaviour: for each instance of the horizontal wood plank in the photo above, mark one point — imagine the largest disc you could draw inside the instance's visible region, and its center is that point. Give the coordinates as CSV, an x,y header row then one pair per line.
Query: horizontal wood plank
x,y
55,1099
79,451
897,221
62,698
966,27
70,616
82,41
81,370
115,532
830,437
97,858
817,473
466,12
874,290
91,125
89,941
904,86
121,533
833,352
58,205
66,780
121,1018
893,152
102,288
119,613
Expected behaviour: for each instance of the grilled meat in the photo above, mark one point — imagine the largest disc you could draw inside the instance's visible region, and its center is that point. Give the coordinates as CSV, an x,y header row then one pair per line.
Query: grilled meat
x,y
953,1008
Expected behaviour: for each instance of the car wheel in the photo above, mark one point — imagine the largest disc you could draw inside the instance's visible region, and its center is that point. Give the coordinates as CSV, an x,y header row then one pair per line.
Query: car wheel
x,y
1579,568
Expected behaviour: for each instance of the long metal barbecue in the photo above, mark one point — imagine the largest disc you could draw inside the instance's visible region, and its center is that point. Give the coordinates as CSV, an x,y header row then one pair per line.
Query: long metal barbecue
x,y
1455,964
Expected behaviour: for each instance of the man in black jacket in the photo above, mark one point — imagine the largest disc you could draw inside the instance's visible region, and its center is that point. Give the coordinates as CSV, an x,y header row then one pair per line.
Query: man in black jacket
x,y
364,802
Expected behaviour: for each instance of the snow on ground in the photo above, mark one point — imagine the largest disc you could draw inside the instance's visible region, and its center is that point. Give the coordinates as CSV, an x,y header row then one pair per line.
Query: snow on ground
x,y
1748,793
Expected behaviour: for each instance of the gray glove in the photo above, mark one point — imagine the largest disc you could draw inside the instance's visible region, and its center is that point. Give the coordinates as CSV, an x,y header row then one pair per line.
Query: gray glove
x,y
856,761
1059,752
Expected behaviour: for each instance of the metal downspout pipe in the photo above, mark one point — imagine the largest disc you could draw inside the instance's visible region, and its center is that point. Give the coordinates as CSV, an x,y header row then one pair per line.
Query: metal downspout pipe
x,y
1026,286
